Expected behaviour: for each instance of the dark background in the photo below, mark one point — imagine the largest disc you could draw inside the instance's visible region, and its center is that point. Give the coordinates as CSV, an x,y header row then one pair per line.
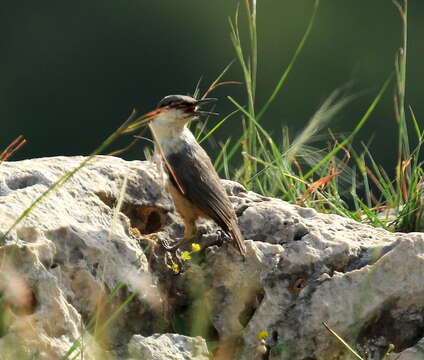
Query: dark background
x,y
71,71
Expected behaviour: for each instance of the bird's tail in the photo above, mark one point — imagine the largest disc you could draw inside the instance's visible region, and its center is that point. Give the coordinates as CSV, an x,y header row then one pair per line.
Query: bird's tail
x,y
237,238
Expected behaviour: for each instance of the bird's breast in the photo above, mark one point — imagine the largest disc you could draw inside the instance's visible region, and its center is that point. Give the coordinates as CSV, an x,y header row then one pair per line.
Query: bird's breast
x,y
178,143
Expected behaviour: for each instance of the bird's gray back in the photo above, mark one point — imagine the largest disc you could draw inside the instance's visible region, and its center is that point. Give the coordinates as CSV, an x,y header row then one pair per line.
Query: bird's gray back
x,y
200,182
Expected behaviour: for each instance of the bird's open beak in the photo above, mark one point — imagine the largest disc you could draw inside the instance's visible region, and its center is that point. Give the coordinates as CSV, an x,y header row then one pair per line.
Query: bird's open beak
x,y
205,101
201,102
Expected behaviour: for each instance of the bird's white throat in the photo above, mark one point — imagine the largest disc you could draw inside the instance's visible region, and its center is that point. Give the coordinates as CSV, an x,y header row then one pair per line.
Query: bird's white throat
x,y
172,138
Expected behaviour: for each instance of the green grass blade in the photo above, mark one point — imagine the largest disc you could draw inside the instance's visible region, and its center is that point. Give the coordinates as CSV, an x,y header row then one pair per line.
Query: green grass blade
x,y
418,131
210,132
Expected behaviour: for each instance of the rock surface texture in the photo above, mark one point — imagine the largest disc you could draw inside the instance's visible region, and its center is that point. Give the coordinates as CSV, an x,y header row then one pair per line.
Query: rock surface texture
x,y
82,272
168,346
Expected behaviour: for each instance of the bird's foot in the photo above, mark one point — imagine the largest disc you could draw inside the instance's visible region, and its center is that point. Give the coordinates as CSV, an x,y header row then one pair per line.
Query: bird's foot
x,y
222,237
165,243
171,248
215,238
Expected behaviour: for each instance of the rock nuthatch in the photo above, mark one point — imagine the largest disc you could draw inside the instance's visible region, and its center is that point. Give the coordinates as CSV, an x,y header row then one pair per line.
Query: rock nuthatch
x,y
192,181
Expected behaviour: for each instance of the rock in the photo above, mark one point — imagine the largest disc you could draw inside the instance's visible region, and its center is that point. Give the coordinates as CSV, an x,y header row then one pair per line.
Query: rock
x,y
413,353
68,254
63,261
168,347
328,269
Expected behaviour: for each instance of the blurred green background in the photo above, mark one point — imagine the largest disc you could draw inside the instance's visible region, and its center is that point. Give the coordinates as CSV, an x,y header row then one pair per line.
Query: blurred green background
x,y
71,71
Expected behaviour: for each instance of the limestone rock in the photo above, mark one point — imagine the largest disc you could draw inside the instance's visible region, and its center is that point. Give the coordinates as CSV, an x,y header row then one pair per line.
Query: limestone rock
x,y
69,253
60,265
168,347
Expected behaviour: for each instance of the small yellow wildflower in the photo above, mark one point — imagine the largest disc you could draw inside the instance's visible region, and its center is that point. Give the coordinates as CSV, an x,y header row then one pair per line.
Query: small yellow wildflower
x,y
195,247
185,255
262,334
175,268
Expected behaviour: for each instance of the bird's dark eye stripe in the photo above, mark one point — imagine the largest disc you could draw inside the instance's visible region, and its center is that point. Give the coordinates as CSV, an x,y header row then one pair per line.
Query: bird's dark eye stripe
x,y
175,100
166,103
185,103
176,103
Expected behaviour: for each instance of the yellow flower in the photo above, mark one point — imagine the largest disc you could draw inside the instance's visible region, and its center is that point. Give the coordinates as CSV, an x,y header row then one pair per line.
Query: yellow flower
x,y
175,268
262,334
185,255
195,247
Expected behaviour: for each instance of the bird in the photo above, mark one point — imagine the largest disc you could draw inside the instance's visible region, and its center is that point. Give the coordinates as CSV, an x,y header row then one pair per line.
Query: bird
x,y
190,177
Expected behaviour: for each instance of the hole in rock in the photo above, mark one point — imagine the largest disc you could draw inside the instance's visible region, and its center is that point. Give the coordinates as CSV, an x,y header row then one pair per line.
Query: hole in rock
x,y
241,210
146,219
297,285
250,308
23,182
300,232
403,330
107,199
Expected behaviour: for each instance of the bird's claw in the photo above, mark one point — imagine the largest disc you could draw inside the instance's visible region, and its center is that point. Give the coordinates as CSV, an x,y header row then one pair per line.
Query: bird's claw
x,y
171,248
222,237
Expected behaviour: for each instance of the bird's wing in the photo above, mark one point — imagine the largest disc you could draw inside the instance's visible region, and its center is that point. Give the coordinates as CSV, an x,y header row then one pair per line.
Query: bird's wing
x,y
201,184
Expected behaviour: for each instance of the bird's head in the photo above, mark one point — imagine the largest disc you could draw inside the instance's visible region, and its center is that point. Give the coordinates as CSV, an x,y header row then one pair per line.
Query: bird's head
x,y
178,110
